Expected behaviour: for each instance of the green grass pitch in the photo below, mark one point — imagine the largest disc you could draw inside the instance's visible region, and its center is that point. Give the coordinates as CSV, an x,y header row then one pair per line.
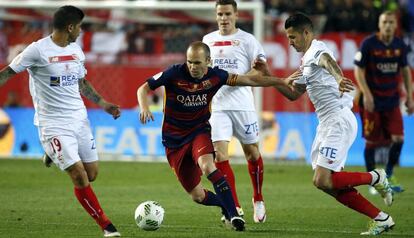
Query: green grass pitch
x,y
38,202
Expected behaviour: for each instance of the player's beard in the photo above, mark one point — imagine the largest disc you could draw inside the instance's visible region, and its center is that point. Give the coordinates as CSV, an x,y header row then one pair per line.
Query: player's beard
x,y
71,39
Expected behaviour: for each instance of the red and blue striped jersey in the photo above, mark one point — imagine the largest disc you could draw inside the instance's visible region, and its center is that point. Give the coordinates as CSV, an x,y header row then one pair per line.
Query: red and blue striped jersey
x,y
382,65
186,102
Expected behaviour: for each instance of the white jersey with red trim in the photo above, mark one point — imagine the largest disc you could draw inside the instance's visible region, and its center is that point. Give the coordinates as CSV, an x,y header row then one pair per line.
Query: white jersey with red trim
x,y
235,54
322,88
54,73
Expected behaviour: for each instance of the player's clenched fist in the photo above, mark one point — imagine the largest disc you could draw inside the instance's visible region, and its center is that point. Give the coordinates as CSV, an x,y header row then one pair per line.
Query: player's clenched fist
x,y
113,110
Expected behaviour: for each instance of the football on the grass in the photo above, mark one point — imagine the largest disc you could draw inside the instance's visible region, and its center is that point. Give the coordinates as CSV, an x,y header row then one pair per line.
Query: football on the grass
x,y
149,215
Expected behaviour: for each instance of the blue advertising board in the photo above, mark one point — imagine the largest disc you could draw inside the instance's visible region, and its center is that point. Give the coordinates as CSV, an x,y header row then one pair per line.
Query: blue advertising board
x,y
287,135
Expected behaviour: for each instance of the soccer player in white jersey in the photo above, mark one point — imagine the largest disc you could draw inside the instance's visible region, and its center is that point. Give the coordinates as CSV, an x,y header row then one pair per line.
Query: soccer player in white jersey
x,y
233,111
57,80
328,90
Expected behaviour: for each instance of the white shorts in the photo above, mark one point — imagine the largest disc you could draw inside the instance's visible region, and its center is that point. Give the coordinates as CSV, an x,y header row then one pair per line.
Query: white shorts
x,y
68,144
242,124
334,137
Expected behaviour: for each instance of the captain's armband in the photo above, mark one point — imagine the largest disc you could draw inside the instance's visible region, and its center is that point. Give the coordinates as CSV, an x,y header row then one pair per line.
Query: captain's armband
x,y
232,79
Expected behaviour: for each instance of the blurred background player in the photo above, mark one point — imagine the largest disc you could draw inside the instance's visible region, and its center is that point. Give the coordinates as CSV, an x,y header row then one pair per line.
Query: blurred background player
x,y
327,89
189,88
57,80
378,65
233,110
12,100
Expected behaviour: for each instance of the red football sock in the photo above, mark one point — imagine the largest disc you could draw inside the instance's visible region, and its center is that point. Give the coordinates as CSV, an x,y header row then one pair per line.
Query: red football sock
x,y
354,200
343,180
256,176
90,203
227,171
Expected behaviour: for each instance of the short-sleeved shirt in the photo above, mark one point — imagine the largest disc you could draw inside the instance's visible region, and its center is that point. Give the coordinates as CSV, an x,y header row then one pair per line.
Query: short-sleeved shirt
x,y
382,65
235,54
322,88
186,102
54,73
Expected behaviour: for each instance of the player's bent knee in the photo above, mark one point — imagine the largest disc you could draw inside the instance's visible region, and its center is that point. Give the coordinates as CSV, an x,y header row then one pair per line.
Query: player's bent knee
x,y
251,151
92,176
197,195
78,176
197,199
80,181
207,168
321,183
220,157
206,165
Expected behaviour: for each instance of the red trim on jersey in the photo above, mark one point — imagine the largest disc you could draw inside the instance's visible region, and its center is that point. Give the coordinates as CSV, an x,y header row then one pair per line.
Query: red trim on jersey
x,y
222,43
62,58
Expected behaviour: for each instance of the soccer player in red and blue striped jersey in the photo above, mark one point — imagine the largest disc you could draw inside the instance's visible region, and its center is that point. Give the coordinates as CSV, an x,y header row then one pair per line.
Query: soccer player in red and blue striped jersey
x,y
189,89
378,66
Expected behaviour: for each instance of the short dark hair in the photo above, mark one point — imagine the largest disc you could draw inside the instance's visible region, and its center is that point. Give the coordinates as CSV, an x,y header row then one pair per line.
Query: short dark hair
x,y
67,15
298,21
227,2
200,45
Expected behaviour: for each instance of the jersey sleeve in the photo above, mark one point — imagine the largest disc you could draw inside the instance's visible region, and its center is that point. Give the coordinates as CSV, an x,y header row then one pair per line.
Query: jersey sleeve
x,y
301,80
319,51
405,51
26,59
256,50
83,70
361,56
162,78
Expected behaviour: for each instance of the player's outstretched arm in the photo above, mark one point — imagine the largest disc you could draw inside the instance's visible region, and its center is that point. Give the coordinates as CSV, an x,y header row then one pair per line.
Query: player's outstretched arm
x,y
255,81
145,114
406,73
87,90
5,74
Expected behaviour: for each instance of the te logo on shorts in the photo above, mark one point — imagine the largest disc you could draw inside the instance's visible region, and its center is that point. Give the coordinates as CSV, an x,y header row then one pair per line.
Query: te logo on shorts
x,y
251,128
328,152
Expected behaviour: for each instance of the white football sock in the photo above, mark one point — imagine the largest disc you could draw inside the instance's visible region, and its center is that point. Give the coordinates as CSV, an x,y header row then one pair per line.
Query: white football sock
x,y
382,216
375,177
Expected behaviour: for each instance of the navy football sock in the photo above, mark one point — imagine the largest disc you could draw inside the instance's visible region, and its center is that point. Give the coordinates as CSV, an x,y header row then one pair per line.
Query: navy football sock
x,y
223,192
393,157
369,155
211,199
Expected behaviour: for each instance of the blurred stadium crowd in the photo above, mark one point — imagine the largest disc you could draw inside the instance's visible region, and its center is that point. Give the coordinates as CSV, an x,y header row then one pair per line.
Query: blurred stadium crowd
x,y
118,35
